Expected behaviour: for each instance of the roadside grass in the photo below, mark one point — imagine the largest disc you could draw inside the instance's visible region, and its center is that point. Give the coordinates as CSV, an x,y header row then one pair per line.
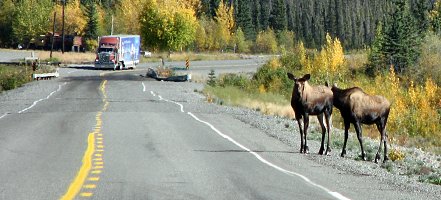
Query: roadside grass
x,y
67,57
181,56
12,77
270,104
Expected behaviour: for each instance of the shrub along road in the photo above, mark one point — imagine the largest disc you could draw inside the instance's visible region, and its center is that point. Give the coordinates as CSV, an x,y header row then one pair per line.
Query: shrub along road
x,y
116,135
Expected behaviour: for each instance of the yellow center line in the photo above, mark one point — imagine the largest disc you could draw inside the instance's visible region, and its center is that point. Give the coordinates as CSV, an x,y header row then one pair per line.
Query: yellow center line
x,y
76,185
88,167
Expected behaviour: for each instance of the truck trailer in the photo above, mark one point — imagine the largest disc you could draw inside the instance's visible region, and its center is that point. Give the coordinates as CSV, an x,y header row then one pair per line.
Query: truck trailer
x,y
117,52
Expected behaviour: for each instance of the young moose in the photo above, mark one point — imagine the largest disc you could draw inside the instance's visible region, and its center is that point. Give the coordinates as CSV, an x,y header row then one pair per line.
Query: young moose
x,y
307,100
358,108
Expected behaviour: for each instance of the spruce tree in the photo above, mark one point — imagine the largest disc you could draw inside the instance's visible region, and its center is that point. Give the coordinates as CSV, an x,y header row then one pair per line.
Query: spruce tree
x,y
92,22
264,14
278,20
401,41
257,16
376,56
244,19
421,14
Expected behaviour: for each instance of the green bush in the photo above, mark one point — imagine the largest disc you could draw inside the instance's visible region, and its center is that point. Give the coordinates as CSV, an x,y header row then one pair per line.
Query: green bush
x,y
237,80
271,77
9,83
13,77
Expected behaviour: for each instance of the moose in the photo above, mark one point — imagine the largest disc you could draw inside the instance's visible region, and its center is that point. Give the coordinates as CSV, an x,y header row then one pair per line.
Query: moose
x,y
311,100
358,108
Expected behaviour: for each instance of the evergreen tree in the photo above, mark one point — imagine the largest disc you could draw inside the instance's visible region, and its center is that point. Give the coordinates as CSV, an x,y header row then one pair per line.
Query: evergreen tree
x,y
421,14
257,16
278,20
290,18
318,21
92,27
264,14
244,18
401,40
376,57
340,33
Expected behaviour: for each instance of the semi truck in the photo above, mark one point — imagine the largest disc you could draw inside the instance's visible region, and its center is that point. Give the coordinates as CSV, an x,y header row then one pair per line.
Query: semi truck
x,y
117,52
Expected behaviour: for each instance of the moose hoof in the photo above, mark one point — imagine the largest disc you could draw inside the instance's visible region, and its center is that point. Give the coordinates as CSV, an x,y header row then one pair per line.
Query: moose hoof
x,y
377,158
343,153
306,149
385,159
328,152
363,157
321,151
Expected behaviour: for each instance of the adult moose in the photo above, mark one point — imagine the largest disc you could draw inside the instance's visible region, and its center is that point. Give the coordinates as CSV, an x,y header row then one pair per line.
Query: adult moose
x,y
308,100
358,108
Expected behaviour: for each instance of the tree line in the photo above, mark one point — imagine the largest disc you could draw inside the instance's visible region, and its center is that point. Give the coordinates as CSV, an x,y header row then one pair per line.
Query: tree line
x,y
206,25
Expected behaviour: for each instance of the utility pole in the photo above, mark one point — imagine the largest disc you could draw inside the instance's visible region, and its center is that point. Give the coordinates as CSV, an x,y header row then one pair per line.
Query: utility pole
x,y
111,30
53,35
62,30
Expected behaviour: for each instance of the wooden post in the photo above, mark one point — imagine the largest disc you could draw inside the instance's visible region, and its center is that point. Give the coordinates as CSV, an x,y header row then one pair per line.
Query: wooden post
x,y
53,36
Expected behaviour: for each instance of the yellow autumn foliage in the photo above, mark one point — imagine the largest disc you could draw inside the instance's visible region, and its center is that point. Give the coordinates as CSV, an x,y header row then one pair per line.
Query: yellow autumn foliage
x,y
328,63
74,21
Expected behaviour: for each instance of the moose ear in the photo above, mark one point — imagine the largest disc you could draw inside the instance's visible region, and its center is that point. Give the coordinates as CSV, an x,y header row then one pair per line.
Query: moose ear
x,y
290,76
307,77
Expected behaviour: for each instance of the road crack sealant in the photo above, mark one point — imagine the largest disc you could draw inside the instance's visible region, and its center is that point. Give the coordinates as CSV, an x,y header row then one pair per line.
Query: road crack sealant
x,y
92,166
259,157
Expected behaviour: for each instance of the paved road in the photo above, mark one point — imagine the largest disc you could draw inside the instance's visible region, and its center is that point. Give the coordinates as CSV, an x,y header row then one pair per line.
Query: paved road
x,y
94,134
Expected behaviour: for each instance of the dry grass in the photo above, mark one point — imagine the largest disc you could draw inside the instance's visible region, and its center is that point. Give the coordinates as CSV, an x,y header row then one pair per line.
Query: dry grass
x,y
269,108
180,56
67,57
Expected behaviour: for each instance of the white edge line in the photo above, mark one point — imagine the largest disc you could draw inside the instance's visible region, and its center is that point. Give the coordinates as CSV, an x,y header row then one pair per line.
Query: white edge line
x,y
143,87
180,105
35,102
334,194
4,115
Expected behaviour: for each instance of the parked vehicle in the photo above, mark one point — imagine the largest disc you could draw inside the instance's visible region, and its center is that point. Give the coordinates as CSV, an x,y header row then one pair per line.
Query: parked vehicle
x,y
118,52
71,42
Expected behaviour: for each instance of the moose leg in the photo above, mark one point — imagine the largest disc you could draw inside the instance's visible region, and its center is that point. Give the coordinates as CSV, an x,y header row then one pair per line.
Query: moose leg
x,y
347,125
382,129
322,146
385,158
301,135
305,131
360,139
328,127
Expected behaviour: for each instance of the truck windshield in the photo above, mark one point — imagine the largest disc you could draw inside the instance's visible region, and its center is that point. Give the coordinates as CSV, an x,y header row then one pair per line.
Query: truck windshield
x,y
105,50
